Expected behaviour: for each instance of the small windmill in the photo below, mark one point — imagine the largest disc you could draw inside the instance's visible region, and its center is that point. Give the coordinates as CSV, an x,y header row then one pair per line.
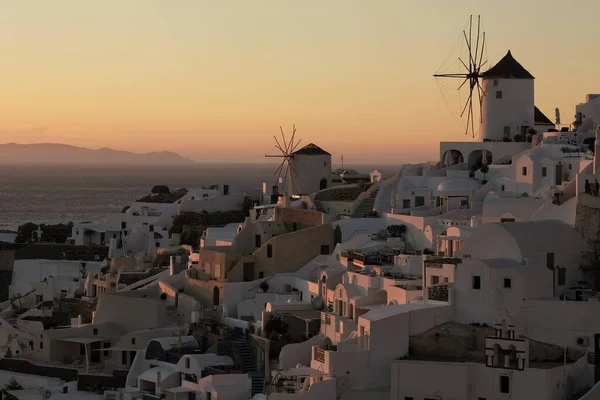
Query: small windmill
x,y
287,154
471,71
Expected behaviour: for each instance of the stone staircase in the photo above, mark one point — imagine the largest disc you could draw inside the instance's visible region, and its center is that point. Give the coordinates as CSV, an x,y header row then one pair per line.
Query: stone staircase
x,y
249,365
319,206
388,188
258,383
366,206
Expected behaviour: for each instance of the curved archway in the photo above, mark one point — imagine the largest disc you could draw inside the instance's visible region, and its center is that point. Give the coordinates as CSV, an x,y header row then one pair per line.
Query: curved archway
x,y
216,295
393,302
451,157
478,158
337,235
323,184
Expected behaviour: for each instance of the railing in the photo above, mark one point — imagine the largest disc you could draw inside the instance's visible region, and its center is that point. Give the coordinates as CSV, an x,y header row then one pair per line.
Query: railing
x,y
319,355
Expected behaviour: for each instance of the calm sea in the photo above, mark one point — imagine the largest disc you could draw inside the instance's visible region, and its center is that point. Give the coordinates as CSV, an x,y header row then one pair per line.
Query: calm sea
x,y
54,194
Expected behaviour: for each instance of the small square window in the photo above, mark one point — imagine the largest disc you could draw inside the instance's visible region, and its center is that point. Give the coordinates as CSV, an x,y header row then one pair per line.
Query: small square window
x,y
498,94
476,282
406,203
495,82
524,171
570,167
435,279
544,172
507,283
132,340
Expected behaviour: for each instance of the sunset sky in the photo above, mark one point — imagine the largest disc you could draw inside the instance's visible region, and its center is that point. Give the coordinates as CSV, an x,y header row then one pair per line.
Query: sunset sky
x,y
213,80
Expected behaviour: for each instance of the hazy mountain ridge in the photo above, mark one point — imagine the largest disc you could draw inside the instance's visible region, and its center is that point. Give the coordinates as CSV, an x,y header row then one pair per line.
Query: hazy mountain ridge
x,y
56,153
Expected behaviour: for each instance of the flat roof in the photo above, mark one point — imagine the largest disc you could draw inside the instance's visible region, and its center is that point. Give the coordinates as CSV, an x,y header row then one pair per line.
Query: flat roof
x,y
84,340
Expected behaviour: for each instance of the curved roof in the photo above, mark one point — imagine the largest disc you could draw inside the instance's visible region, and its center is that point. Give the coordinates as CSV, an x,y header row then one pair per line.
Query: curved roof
x,y
352,291
168,343
507,67
521,240
458,185
311,149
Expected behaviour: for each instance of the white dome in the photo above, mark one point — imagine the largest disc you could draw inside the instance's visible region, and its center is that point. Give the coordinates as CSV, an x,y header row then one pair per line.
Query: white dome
x,y
458,185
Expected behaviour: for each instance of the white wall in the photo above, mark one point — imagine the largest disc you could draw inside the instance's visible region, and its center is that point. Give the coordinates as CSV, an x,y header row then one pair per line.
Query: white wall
x,y
232,202
514,109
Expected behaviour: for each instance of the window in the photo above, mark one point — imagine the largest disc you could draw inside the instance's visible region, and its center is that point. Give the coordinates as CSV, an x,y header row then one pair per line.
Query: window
x,y
187,362
507,283
257,241
495,82
504,384
502,188
550,261
261,274
507,131
419,201
476,282
445,279
406,203
464,203
41,345
498,94
106,346
570,166
124,357
95,331
269,251
524,171
504,220
544,172
132,340
295,227
562,276
157,244
435,279
325,249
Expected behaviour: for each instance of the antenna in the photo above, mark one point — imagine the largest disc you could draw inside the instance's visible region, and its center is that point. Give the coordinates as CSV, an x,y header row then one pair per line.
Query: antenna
x,y
342,161
471,71
287,153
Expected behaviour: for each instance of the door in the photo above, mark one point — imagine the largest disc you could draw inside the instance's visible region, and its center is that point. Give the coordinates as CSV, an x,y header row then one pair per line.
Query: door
x,y
558,177
248,272
95,353
419,201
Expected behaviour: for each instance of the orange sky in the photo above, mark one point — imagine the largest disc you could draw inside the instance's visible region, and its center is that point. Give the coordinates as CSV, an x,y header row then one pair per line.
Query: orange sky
x,y
213,80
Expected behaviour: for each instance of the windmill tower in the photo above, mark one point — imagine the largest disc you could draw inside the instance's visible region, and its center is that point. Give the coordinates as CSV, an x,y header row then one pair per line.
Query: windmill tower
x,y
285,167
305,171
469,71
508,103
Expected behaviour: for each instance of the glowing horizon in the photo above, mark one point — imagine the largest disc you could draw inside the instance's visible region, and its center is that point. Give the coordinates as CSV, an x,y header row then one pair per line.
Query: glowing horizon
x,y
214,81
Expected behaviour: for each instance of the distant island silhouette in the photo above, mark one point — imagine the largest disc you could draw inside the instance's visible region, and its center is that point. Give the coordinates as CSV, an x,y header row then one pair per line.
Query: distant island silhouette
x,y
56,153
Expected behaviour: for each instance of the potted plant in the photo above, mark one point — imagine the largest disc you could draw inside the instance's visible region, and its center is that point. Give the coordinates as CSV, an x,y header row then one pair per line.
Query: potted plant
x,y
484,170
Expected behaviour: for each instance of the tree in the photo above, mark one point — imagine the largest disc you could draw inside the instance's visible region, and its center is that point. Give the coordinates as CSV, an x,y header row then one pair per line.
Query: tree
x,y
590,262
83,269
264,286
396,231
160,189
484,170
11,385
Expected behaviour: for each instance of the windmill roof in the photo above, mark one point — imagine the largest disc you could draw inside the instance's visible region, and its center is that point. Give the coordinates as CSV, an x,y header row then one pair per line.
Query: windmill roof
x,y
540,118
508,67
311,149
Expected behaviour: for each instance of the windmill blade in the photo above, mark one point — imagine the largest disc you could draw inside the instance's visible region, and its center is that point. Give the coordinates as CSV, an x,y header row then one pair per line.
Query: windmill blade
x,y
466,104
462,84
283,136
482,50
278,170
463,63
468,115
472,123
293,169
296,146
480,100
278,145
477,43
292,139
